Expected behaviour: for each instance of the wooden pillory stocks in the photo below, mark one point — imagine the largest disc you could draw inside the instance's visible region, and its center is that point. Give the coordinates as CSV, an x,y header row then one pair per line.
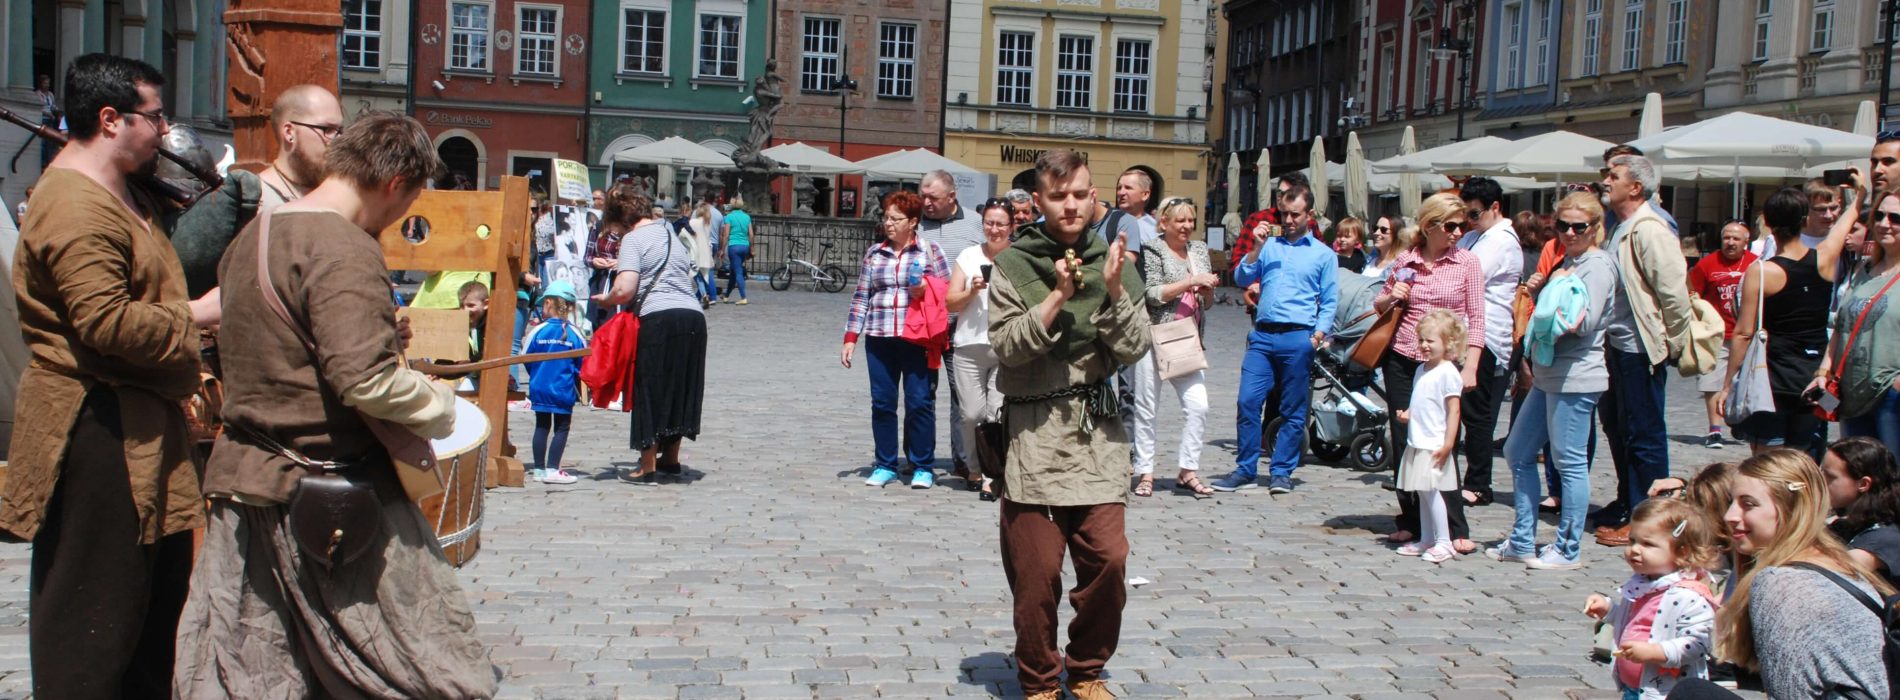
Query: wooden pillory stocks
x,y
273,45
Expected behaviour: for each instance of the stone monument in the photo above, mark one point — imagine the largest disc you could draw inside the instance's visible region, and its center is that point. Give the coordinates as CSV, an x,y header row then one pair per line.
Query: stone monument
x,y
755,169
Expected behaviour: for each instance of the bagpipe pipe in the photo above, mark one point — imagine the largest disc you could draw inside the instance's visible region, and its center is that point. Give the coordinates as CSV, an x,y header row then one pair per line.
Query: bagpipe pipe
x,y
202,211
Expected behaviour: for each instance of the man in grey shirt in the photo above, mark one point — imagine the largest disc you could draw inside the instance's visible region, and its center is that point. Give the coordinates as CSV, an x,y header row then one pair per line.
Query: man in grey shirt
x,y
954,229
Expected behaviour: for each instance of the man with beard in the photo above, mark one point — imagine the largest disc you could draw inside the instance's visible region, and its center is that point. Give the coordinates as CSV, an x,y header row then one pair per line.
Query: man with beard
x,y
102,481
315,385
1885,159
1064,313
304,119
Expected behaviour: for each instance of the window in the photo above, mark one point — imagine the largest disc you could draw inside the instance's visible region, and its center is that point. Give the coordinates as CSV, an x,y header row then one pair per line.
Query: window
x,y
468,35
536,37
1540,46
1388,77
1513,46
1764,17
363,34
719,47
1132,69
1592,36
642,41
897,60
1421,95
1075,71
1015,56
1823,32
819,64
1633,35
1676,33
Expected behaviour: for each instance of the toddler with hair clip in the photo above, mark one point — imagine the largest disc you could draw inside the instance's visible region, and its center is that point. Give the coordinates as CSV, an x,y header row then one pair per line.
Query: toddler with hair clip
x,y
1664,615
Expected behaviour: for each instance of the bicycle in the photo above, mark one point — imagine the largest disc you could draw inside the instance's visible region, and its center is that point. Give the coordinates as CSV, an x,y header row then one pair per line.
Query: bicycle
x,y
828,277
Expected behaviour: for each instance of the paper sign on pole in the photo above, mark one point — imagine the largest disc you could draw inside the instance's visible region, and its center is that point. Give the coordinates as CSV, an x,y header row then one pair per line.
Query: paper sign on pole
x,y
570,181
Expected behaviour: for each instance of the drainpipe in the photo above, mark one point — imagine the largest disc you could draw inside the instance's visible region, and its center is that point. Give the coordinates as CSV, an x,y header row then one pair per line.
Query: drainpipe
x,y
415,36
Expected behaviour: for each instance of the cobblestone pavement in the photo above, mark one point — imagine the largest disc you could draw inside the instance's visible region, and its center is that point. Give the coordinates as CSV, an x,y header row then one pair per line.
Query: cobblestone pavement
x,y
773,572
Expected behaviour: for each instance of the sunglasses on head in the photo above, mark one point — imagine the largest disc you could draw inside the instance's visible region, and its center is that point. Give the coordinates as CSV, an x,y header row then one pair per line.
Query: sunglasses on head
x,y
1573,226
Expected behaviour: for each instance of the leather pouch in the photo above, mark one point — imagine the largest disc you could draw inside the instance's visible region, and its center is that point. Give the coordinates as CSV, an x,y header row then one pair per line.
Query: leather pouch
x,y
334,518
992,449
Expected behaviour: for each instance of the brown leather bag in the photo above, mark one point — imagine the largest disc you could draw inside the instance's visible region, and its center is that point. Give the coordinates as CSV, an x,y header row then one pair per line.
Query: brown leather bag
x,y
1370,350
992,449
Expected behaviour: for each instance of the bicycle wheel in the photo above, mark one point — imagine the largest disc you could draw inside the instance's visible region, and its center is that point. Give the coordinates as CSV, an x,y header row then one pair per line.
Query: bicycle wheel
x,y
837,279
782,278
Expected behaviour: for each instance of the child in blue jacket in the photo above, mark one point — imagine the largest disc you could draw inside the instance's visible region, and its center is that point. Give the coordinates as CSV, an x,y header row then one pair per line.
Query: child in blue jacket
x,y
552,384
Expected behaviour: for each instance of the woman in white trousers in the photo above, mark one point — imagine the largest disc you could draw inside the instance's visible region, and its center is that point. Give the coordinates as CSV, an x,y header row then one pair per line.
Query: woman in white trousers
x,y
973,365
1180,281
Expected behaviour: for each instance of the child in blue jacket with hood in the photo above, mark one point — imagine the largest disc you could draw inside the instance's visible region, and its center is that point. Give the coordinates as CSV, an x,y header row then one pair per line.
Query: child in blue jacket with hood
x,y
552,383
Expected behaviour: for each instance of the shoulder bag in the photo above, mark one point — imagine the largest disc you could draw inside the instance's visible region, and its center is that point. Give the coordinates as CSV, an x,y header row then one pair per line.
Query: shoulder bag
x,y
1833,384
1370,350
1749,392
1177,343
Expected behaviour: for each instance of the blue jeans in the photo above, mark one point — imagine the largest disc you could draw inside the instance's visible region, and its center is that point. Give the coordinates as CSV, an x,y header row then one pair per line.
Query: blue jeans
x,y
1634,424
893,362
1275,359
1882,423
735,256
708,285
1562,421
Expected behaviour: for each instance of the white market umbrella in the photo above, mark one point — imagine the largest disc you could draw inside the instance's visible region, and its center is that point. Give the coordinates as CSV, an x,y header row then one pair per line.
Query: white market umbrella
x,y
1358,201
799,157
1408,182
1434,160
1866,119
1322,188
674,151
1556,153
1263,181
1741,140
909,165
1231,220
1651,122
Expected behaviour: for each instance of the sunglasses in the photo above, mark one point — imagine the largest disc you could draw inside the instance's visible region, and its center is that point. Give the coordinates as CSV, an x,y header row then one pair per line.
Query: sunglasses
x,y
1474,214
1573,226
1892,217
1453,226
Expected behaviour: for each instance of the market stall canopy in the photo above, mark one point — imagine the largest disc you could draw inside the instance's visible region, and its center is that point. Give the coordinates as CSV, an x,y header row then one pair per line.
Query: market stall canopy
x,y
1428,160
1745,139
798,157
1556,153
674,151
909,165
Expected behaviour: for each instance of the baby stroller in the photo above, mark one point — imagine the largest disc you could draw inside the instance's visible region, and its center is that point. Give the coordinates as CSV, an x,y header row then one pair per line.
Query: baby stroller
x,y
1344,424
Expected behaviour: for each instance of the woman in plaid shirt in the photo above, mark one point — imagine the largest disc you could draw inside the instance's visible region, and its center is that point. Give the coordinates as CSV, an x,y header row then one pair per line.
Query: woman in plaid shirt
x,y
889,279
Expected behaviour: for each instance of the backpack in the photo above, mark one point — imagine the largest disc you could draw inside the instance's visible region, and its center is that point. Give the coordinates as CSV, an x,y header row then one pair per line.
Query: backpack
x,y
1888,611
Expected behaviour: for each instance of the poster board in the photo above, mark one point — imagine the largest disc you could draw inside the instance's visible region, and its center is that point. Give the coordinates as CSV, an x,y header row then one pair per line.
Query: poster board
x,y
436,334
570,181
573,226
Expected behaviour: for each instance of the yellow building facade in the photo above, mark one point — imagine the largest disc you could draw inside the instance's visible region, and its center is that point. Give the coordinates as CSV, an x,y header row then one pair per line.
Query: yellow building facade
x,y
1122,81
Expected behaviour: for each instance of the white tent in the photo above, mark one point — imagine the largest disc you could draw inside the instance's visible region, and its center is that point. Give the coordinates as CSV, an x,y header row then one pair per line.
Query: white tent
x,y
909,165
1745,139
674,151
1556,153
800,158
1430,160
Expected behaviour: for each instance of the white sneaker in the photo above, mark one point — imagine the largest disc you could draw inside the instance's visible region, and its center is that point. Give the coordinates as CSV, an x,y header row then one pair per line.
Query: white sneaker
x,y
537,474
559,476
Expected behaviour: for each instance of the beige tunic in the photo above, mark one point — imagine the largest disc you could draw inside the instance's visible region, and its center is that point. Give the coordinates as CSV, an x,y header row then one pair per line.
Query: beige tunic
x,y
1052,459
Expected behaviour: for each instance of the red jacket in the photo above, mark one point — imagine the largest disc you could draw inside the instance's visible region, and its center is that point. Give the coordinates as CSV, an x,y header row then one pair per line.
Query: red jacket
x,y
608,373
927,322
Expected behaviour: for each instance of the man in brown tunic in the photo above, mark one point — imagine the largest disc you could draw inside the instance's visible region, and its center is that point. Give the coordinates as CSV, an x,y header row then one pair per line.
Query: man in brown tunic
x,y
1064,313
265,618
101,479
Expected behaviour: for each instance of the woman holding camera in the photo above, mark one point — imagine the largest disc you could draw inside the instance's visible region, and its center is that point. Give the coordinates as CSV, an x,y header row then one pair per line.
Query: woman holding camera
x,y
973,365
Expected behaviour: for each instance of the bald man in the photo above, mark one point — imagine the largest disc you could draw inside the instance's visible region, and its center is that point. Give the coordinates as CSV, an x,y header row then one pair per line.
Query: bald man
x,y
304,119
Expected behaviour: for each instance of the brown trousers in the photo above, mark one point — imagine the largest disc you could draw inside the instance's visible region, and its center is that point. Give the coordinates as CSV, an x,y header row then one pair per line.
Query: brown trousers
x,y
102,608
1034,538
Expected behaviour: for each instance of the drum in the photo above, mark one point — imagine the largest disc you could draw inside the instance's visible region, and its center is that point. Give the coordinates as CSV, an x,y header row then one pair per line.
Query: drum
x,y
461,462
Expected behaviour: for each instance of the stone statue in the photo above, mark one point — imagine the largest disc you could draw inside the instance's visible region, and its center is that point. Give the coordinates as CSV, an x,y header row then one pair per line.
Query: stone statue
x,y
767,96
804,192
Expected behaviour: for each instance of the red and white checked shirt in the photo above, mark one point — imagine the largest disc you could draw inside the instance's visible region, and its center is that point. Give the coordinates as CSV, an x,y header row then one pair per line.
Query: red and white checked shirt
x,y
1455,282
877,308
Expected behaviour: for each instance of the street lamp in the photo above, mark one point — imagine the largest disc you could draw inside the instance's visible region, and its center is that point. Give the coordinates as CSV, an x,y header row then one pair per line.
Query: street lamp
x,y
844,85
1460,47
1888,11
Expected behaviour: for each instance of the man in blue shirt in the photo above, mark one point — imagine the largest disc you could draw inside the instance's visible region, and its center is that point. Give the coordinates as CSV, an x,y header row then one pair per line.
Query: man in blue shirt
x,y
1297,276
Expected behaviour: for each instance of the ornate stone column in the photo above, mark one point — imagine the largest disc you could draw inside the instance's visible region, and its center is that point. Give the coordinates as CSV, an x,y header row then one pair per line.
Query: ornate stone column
x,y
273,45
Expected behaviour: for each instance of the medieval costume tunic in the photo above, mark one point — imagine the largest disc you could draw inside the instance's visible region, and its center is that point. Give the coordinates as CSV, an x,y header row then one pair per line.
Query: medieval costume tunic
x,y
101,479
264,620
1066,479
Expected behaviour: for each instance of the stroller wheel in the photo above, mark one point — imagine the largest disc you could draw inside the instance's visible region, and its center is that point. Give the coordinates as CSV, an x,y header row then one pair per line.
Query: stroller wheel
x,y
1270,437
1328,451
1368,452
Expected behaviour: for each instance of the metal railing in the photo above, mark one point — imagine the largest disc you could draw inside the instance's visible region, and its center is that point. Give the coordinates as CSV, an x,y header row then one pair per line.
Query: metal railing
x,y
771,236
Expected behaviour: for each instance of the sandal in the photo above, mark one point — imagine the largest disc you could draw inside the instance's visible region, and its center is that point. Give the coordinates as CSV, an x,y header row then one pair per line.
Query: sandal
x,y
1145,487
1194,485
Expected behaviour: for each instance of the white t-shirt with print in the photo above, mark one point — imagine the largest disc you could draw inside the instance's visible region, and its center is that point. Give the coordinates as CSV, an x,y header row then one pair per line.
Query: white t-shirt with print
x,y
1430,388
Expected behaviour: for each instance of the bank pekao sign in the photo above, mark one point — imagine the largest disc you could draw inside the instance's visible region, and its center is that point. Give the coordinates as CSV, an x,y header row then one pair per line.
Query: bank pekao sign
x,y
1018,154
463,120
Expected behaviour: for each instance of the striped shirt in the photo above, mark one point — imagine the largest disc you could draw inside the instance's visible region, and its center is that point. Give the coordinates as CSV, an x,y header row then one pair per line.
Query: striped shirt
x,y
877,308
1455,282
645,250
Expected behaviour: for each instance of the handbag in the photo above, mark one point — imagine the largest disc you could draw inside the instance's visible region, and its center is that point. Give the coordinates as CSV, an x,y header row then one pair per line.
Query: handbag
x,y
1177,344
1370,350
1749,392
992,449
1833,384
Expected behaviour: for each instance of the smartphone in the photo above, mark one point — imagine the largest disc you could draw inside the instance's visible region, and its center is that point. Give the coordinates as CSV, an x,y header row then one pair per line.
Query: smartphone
x,y
986,272
1838,178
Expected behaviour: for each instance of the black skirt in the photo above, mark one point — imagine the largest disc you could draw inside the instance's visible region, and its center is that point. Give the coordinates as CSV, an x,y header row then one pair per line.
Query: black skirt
x,y
669,377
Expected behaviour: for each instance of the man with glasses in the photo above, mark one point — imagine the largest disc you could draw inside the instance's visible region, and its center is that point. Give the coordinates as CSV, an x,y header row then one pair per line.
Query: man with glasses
x,y
303,119
1491,238
102,480
1289,325
1649,321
